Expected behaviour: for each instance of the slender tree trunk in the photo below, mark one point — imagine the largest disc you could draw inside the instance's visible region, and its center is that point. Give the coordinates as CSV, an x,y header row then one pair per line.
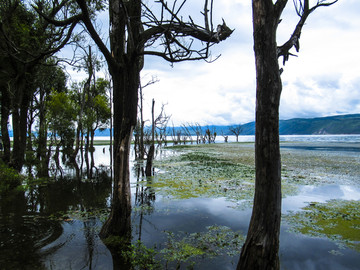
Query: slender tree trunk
x,y
260,250
150,157
92,135
77,143
42,139
19,115
141,144
30,122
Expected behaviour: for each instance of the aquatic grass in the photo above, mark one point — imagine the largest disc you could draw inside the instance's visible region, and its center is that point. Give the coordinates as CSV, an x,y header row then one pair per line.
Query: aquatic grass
x,y
227,170
184,248
215,170
180,248
337,220
203,174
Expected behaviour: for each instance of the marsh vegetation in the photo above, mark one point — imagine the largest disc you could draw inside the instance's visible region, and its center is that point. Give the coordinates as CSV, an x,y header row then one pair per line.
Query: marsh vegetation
x,y
194,212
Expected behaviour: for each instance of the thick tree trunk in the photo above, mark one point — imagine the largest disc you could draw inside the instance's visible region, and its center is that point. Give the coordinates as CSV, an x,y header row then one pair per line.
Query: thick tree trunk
x,y
21,104
125,108
5,112
260,250
124,41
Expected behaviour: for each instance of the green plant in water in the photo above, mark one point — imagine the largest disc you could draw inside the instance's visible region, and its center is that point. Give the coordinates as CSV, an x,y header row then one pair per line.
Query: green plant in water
x,y
337,220
137,255
185,248
197,173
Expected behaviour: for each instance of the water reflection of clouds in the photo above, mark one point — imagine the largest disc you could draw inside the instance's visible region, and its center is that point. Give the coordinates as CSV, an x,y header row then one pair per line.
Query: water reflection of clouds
x,y
102,155
320,194
298,252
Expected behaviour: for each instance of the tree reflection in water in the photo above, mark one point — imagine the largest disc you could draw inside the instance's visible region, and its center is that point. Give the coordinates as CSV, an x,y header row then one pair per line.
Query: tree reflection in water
x,y
37,222
120,245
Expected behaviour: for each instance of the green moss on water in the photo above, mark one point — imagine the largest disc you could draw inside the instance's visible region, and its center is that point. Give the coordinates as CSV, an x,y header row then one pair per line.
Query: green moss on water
x,y
212,171
198,172
337,220
187,248
181,248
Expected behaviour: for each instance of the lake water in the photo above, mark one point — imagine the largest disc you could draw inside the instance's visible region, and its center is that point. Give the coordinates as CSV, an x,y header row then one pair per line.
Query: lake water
x,y
283,138
69,239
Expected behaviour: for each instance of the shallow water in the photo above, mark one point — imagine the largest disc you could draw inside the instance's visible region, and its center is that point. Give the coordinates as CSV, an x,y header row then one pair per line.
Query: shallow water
x,y
69,238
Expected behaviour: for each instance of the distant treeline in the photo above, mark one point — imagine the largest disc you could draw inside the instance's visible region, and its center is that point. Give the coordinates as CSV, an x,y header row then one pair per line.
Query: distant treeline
x,y
340,124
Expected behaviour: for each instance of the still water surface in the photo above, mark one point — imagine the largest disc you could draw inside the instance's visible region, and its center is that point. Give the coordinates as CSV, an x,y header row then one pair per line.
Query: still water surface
x,y
69,239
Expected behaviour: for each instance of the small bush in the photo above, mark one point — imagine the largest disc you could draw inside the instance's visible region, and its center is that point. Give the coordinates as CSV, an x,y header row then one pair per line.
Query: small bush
x,y
9,178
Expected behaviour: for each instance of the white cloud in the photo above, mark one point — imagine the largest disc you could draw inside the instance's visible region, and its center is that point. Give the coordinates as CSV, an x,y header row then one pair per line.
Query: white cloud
x,y
323,80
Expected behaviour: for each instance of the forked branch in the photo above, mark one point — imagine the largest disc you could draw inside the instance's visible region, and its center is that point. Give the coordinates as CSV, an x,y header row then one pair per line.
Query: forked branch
x,y
303,10
177,36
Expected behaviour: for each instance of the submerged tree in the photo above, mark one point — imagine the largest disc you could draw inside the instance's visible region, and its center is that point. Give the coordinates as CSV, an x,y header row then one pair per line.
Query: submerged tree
x,y
158,127
260,250
26,40
49,78
134,28
236,130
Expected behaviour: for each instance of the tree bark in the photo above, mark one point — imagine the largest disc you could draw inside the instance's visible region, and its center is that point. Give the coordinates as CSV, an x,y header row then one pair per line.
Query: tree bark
x,y
260,250
126,77
19,116
119,221
43,170
150,156
5,113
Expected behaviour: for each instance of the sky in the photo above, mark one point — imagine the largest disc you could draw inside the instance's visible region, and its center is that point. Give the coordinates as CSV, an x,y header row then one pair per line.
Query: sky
x,y
323,80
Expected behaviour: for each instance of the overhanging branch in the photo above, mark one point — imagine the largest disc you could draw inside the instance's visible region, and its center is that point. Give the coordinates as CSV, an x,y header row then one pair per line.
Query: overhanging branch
x,y
176,36
303,10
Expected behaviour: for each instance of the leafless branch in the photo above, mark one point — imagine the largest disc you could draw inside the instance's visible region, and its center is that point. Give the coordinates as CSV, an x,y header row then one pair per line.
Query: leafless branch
x,y
303,10
177,36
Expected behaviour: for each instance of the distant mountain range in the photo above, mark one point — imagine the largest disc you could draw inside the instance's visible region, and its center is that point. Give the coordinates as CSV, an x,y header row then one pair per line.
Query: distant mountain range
x,y
340,124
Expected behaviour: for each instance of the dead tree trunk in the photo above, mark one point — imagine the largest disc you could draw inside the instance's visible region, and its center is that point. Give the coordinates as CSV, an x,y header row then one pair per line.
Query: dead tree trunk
x,y
260,250
150,156
261,247
128,39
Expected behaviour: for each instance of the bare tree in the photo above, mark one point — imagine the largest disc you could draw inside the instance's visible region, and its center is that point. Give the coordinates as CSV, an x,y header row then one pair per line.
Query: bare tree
x,y
236,130
141,122
161,123
196,128
134,29
261,247
210,135
158,123
186,134
226,137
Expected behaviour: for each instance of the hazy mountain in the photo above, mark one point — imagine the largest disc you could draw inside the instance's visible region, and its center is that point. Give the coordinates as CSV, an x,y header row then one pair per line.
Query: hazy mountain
x,y
340,124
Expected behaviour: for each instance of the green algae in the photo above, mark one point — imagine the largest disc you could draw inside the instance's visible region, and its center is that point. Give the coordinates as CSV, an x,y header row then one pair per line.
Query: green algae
x,y
227,170
187,248
337,220
220,170
200,172
180,249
